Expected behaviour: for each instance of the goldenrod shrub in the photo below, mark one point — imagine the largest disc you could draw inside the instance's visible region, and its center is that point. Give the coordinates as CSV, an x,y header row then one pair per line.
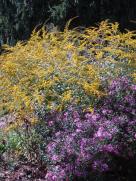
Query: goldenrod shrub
x,y
55,69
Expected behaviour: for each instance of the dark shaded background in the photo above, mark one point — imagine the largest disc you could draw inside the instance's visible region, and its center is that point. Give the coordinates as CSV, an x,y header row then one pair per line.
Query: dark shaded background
x,y
19,17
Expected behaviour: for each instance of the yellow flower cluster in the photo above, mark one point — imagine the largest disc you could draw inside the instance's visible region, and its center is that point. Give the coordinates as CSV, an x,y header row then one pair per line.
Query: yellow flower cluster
x,y
57,68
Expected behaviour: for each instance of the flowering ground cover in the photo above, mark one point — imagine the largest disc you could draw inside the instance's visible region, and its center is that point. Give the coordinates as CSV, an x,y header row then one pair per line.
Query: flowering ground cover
x,y
69,99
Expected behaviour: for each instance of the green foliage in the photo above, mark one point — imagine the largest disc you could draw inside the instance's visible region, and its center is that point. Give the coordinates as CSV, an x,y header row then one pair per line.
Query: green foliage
x,y
59,12
14,20
25,143
19,17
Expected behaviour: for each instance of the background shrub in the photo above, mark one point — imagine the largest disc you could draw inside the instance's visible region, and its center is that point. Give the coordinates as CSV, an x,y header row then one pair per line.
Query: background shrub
x,y
19,17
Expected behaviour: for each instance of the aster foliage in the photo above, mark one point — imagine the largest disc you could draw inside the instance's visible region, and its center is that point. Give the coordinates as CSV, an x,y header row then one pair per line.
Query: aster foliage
x,y
75,144
82,143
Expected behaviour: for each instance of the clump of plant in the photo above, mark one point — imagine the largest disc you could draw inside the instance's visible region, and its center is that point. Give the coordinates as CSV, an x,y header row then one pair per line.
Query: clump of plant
x,y
74,143
74,108
79,143
55,69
